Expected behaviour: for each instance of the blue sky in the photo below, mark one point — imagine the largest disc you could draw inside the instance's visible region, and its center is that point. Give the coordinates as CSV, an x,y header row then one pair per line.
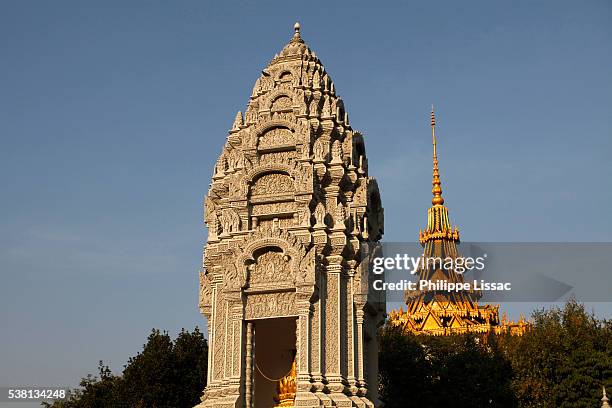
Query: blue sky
x,y
112,116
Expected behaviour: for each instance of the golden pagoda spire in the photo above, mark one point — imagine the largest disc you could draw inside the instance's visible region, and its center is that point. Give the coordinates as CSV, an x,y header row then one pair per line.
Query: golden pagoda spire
x,y
438,223
436,189
439,312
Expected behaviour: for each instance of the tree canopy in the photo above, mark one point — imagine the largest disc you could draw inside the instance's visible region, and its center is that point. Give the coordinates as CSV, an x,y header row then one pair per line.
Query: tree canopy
x,y
165,374
561,362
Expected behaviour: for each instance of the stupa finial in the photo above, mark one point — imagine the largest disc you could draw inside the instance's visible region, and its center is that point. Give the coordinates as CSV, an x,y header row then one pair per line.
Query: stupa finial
x,y
296,33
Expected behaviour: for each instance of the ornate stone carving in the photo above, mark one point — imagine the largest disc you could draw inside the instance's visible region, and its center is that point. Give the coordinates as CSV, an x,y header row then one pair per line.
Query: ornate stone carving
x,y
336,152
319,150
282,103
230,221
339,216
277,157
275,138
205,290
276,212
274,208
268,305
274,183
320,215
305,216
271,267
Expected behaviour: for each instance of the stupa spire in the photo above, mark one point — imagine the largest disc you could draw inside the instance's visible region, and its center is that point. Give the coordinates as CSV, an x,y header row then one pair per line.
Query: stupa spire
x,y
438,223
436,189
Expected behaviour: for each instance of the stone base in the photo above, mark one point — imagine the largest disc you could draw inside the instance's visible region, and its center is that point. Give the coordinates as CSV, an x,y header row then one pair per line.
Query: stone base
x,y
306,399
341,400
230,401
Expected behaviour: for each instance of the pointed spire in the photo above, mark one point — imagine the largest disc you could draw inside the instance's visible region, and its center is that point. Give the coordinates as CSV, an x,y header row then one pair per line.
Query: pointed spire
x,y
604,399
297,38
436,183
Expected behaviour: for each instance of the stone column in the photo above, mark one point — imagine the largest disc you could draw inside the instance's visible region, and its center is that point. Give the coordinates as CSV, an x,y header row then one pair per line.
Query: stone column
x,y
360,350
304,397
350,330
332,327
235,349
249,366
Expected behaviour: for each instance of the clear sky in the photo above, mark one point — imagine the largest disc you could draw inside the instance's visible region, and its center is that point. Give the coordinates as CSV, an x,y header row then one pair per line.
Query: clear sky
x,y
113,114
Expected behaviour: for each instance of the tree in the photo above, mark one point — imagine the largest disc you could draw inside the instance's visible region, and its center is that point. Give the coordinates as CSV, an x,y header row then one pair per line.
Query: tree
x,y
164,374
406,374
425,371
563,360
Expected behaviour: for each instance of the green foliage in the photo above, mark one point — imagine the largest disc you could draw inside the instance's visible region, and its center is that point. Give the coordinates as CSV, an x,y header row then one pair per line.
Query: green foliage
x,y
164,374
564,360
561,362
424,371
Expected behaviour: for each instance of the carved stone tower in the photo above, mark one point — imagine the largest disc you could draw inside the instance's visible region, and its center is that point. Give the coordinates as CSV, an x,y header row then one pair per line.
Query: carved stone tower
x,y
291,212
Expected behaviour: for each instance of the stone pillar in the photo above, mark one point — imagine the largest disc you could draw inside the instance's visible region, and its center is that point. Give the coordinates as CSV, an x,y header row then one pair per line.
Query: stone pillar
x,y
248,394
350,331
332,327
359,345
304,397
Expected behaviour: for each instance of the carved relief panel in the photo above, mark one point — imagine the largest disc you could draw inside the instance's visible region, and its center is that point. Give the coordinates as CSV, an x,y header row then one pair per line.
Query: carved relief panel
x,y
271,268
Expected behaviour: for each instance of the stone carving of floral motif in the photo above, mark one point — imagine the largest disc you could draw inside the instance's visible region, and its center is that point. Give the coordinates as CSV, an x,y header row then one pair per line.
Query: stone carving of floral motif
x,y
273,183
276,137
282,103
260,306
274,208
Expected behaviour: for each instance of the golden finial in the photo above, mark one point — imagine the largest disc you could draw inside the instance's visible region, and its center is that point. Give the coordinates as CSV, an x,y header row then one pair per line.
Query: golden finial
x,y
436,189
